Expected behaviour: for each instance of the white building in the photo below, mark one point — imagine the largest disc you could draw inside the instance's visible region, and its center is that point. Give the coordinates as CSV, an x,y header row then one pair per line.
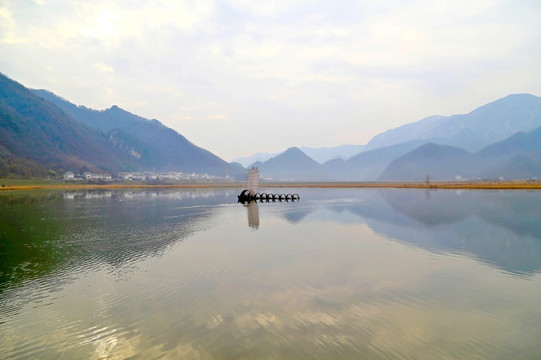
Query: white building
x,y
91,176
69,176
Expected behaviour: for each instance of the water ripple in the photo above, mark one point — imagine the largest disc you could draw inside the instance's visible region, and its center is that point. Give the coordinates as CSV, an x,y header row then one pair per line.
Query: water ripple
x,y
171,275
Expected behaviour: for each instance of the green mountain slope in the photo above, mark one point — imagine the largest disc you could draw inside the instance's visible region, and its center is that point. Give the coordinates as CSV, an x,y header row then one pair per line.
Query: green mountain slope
x,y
166,150
36,135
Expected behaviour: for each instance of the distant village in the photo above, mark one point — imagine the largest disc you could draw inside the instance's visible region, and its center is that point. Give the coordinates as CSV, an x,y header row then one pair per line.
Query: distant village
x,y
146,176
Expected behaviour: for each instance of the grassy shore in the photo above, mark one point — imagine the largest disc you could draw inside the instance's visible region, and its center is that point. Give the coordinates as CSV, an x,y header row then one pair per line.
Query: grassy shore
x,y
501,185
14,185
71,186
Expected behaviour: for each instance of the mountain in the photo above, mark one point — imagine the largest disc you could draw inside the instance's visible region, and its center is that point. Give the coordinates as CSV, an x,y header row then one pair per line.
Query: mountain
x,y
292,164
464,139
520,143
365,166
324,154
368,165
156,146
487,124
35,136
40,132
517,157
440,162
518,167
477,130
408,132
247,161
513,158
321,154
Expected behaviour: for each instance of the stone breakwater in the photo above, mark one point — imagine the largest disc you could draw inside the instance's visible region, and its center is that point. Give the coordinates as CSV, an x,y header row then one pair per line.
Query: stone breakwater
x,y
246,196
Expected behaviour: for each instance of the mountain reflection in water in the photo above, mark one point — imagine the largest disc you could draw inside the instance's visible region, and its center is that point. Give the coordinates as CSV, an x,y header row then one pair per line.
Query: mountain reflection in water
x,y
502,228
41,231
344,273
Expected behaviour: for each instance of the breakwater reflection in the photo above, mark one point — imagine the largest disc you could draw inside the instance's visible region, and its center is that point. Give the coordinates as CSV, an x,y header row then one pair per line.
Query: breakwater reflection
x,y
253,215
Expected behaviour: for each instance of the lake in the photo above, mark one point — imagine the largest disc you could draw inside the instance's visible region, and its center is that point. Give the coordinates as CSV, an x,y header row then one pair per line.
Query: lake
x,y
341,274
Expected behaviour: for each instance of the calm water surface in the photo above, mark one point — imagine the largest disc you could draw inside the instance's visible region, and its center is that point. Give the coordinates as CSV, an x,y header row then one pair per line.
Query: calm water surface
x,y
352,274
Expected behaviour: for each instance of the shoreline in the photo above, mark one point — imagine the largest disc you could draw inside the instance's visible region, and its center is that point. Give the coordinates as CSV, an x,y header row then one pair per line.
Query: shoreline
x,y
502,185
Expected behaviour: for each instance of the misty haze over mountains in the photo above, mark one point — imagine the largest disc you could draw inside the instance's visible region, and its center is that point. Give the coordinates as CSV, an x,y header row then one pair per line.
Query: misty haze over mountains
x,y
41,131
320,155
498,140
160,147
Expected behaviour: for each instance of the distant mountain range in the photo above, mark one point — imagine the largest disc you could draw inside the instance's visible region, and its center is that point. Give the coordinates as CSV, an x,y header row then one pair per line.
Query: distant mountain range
x,y
485,125
321,155
513,158
291,164
324,154
500,139
248,161
41,131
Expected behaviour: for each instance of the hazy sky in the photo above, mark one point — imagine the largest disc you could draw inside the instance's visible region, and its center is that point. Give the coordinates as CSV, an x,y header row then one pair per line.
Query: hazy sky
x,y
237,77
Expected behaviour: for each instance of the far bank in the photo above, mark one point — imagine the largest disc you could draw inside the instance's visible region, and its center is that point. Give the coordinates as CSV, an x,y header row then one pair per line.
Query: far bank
x,y
15,185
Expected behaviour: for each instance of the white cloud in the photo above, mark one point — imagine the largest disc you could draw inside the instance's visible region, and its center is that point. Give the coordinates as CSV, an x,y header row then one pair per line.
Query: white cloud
x,y
343,70
103,68
102,28
7,26
270,8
